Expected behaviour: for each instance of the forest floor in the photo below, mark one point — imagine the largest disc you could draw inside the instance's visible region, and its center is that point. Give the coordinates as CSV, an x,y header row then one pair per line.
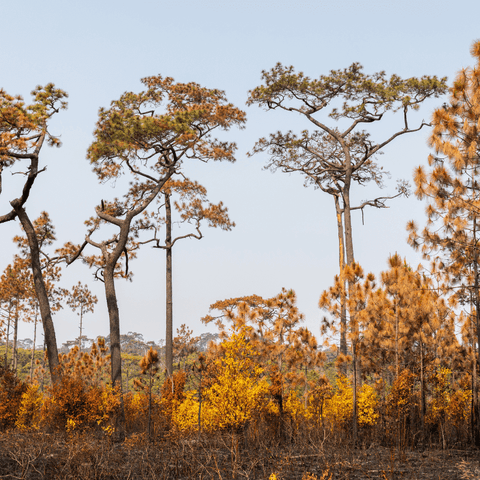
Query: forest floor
x,y
56,457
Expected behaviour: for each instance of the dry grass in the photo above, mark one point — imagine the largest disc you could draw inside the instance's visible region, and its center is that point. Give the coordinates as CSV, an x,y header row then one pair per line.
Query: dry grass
x,y
221,456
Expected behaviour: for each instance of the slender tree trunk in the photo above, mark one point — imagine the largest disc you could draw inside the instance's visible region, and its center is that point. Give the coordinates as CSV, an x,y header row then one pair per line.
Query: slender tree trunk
x,y
476,416
350,260
476,296
41,292
474,412
8,337
15,338
115,350
200,403
169,292
341,261
355,405
81,328
33,346
42,384
150,403
348,226
422,393
396,341
305,395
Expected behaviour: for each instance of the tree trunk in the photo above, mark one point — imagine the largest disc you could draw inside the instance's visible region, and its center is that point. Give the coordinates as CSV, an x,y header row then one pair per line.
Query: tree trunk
x,y
348,225
476,296
474,413
81,325
355,406
115,351
41,292
33,346
200,403
8,336
350,260
15,338
397,370
341,261
422,393
169,292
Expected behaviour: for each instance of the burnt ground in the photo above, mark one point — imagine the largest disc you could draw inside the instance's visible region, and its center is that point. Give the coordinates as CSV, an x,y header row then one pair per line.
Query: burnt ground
x,y
50,457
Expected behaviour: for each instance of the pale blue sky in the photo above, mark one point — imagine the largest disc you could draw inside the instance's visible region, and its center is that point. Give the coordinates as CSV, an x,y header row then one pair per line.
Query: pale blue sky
x,y
285,234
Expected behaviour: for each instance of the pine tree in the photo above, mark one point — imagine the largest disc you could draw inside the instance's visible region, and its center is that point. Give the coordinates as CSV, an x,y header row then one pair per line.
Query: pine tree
x,y
23,133
335,157
193,208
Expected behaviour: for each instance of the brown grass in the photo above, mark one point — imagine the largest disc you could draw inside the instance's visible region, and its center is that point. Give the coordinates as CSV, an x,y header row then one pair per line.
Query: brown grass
x,y
32,456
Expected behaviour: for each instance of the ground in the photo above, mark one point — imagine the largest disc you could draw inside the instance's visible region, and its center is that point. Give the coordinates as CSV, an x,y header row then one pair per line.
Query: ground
x,y
86,456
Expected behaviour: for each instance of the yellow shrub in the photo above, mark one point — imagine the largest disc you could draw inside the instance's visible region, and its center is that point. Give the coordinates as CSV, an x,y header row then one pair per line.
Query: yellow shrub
x,y
29,413
237,392
185,416
340,406
367,404
437,410
459,407
295,406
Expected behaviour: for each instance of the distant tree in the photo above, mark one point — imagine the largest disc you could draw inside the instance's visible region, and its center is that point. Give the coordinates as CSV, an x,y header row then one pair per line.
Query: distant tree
x,y
184,344
14,289
80,298
149,367
193,208
23,132
333,158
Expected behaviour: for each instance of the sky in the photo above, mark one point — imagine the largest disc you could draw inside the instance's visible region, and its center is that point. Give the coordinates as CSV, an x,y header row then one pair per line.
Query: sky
x,y
285,234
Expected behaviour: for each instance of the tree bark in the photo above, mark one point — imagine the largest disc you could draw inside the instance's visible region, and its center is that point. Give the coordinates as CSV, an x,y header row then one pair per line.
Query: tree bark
x,y
15,338
41,292
348,222
8,335
169,292
350,260
115,351
341,261
476,296
81,325
355,406
422,392
397,370
33,346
